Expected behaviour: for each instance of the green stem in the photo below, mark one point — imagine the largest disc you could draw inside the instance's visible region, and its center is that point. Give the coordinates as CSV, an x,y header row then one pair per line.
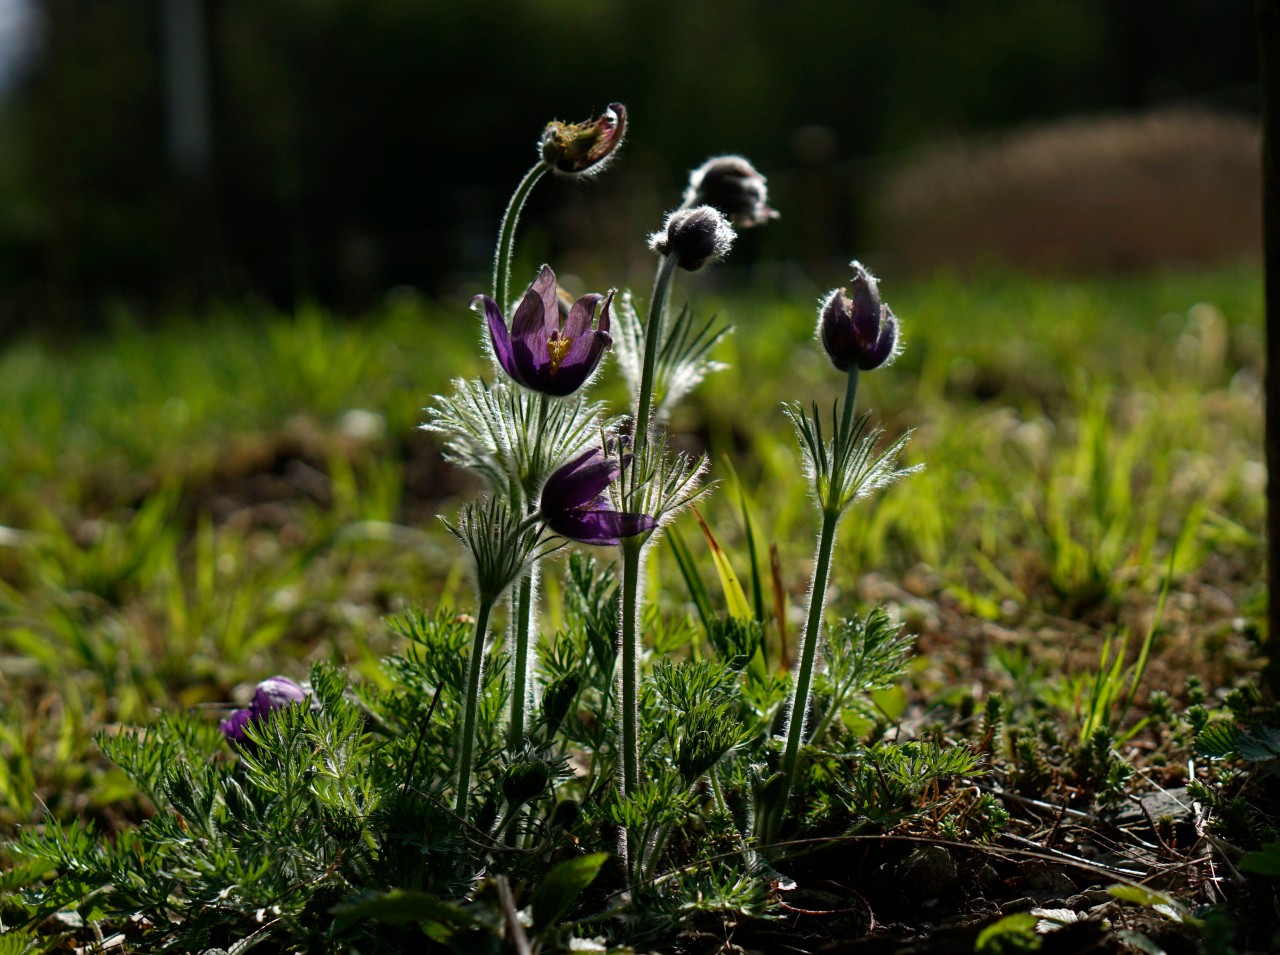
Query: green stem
x,y
652,345
507,235
522,604
522,625
808,651
470,706
850,399
630,660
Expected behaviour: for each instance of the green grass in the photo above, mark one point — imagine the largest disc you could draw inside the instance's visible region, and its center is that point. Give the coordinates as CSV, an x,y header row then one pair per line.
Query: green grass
x,y
186,510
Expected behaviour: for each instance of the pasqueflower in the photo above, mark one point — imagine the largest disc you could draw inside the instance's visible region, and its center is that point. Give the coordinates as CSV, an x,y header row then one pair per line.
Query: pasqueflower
x,y
575,506
271,694
583,149
857,329
539,352
732,185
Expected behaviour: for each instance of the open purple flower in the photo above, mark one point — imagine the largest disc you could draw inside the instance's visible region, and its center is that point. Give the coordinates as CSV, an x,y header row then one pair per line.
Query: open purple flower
x,y
541,353
270,694
575,507
858,329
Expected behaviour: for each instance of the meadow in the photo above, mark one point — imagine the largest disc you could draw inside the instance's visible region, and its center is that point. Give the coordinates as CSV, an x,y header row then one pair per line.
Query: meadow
x,y
188,509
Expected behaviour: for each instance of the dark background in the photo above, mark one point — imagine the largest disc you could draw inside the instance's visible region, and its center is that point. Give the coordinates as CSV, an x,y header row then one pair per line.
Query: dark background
x,y
358,145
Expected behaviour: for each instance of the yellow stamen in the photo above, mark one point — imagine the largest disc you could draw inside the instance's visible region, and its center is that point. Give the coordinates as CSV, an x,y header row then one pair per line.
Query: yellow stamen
x,y
557,347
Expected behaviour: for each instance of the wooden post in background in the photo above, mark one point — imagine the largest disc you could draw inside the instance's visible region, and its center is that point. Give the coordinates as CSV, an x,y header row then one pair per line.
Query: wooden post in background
x,y
1269,86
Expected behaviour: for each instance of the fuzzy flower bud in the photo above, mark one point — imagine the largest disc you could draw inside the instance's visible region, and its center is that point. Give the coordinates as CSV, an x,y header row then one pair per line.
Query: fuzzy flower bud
x,y
855,327
583,149
732,185
697,237
525,779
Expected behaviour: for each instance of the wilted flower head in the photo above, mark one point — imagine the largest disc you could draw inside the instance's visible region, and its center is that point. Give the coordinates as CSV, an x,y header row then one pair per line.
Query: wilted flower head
x,y
856,328
575,506
539,352
574,149
270,694
732,185
696,236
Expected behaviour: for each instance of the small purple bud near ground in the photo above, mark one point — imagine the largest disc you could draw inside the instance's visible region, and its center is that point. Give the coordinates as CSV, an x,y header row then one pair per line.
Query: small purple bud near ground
x,y
271,694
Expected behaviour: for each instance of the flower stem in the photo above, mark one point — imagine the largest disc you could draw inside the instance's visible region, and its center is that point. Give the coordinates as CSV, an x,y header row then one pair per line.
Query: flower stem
x,y
850,400
523,604
470,706
804,673
652,345
507,235
522,626
630,661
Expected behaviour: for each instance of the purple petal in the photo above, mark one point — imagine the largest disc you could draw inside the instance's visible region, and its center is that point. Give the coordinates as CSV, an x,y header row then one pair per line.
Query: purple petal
x,y
233,726
273,693
498,335
601,526
879,353
537,310
580,317
579,482
836,330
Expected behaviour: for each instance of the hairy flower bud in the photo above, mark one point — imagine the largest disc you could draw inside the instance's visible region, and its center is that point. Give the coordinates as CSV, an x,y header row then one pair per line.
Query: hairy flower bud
x,y
525,779
697,237
583,149
855,327
732,185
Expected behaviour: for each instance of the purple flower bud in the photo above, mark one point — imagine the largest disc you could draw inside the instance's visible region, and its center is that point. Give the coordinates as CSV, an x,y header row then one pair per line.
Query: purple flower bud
x,y
732,185
270,694
575,507
544,351
696,237
855,327
583,149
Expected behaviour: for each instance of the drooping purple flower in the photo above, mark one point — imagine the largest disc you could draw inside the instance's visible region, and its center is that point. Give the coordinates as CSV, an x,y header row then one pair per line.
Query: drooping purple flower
x,y
271,694
857,328
735,187
583,149
575,506
539,352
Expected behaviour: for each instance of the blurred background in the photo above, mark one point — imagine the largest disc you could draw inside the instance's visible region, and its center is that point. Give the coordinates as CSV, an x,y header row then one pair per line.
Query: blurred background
x,y
164,153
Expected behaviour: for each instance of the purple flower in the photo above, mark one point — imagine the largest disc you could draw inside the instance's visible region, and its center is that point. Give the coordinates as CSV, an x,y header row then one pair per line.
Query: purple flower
x,y
857,329
575,507
270,694
539,352
732,185
584,149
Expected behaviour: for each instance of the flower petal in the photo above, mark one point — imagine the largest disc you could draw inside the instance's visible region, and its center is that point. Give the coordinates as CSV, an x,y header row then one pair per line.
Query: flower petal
x,y
579,482
580,316
885,344
537,309
599,526
499,336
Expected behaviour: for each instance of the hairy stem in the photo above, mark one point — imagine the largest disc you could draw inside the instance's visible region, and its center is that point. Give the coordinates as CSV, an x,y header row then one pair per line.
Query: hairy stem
x,y
804,672
522,606
629,658
850,399
470,705
507,235
652,345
